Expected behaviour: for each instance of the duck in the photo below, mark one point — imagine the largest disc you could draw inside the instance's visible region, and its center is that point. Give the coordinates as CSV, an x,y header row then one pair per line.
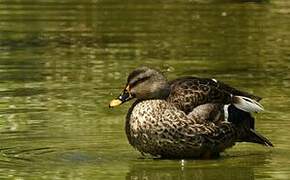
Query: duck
x,y
188,117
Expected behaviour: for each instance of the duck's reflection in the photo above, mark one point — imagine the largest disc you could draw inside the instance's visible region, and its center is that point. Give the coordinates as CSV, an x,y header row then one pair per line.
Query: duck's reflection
x,y
225,168
174,173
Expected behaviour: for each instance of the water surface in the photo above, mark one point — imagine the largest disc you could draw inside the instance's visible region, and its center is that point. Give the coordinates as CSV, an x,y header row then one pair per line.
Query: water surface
x,y
61,62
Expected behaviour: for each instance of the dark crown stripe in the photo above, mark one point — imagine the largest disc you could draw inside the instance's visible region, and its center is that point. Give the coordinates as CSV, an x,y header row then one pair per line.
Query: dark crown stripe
x,y
134,74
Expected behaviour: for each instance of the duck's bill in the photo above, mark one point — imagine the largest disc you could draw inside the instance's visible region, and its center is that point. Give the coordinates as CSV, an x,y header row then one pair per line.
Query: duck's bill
x,y
115,102
125,96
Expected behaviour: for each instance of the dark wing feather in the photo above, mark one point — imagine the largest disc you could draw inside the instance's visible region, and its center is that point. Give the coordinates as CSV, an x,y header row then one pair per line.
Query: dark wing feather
x,y
234,91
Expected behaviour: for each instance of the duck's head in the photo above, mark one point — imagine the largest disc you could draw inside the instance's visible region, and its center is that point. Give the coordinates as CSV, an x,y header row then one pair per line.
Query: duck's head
x,y
143,83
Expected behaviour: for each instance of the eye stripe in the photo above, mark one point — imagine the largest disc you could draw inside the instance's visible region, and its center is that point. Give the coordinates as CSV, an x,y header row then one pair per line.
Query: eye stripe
x,y
139,81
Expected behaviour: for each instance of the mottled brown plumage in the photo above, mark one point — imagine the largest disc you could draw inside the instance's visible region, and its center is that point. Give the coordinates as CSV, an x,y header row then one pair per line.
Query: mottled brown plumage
x,y
188,117
189,92
158,128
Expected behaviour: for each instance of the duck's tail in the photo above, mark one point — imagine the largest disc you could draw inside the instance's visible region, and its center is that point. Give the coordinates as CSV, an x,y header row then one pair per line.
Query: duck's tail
x,y
245,124
255,137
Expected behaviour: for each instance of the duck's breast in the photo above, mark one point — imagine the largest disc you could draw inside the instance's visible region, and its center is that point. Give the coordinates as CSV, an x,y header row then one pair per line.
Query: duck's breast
x,y
158,128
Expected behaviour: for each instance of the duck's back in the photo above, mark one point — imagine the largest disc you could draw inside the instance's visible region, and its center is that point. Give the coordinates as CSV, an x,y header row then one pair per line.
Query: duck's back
x,y
190,92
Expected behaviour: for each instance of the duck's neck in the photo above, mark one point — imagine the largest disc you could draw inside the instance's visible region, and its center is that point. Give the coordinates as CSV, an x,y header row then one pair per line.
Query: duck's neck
x,y
162,92
158,89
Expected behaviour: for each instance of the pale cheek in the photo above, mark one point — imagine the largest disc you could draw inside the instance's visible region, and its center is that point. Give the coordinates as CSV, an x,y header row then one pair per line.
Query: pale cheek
x,y
143,91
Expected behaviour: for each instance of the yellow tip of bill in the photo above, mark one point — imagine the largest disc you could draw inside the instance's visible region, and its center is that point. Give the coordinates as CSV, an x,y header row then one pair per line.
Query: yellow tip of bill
x,y
115,102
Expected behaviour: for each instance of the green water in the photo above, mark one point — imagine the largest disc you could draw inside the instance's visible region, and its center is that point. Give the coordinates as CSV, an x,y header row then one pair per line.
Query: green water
x,y
61,62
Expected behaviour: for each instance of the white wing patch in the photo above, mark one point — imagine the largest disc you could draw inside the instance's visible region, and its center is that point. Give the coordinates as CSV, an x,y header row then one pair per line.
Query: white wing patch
x,y
226,112
247,104
214,80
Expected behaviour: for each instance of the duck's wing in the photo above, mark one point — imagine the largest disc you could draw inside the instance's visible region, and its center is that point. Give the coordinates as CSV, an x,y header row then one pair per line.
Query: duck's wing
x,y
209,112
189,92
